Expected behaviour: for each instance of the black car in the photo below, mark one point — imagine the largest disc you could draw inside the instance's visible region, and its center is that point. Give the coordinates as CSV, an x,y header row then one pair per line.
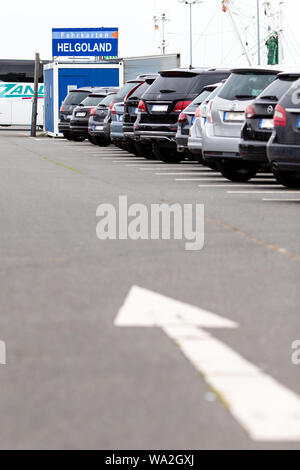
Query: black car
x,y
130,116
73,99
120,98
79,123
259,119
283,149
158,111
96,121
187,117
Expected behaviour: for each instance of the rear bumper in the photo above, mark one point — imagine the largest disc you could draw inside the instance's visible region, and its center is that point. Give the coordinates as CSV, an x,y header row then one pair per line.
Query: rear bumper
x,y
64,127
254,151
164,139
214,147
182,142
195,145
79,130
283,157
116,130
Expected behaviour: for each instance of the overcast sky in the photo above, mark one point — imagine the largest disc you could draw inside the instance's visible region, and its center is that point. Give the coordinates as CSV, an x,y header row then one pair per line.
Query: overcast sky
x,y
28,29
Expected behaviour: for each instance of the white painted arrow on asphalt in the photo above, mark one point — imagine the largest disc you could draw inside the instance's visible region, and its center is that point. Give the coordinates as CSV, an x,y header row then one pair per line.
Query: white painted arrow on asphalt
x,y
267,410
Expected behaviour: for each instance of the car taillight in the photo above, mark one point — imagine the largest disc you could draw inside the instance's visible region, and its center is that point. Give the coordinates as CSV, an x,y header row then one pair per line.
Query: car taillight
x,y
142,107
113,108
250,112
209,112
93,112
182,117
180,106
280,119
62,108
198,112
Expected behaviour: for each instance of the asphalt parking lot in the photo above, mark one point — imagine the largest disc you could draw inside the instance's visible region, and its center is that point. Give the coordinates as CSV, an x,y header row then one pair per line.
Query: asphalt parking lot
x,y
74,378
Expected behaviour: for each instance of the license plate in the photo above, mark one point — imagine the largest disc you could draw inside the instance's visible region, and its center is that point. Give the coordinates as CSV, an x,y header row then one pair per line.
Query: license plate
x,y
159,108
99,128
298,125
80,114
266,124
236,117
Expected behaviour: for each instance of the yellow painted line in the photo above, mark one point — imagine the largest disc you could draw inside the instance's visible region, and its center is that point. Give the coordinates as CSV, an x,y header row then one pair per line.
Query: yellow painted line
x,y
50,160
257,241
59,164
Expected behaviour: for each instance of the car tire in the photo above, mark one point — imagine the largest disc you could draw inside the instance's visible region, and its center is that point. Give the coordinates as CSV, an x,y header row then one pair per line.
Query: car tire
x,y
287,179
67,136
131,148
102,142
143,150
166,155
91,140
238,172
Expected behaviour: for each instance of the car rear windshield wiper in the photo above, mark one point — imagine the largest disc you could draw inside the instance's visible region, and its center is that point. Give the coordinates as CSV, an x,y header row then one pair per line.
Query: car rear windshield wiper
x,y
167,91
270,97
244,97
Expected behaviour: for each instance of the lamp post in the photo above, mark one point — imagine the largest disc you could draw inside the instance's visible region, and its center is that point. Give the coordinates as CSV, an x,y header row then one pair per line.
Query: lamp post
x,y
191,3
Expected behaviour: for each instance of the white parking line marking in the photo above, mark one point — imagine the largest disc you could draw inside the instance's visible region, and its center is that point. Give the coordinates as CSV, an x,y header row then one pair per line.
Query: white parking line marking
x,y
267,410
264,182
280,200
189,174
234,185
279,191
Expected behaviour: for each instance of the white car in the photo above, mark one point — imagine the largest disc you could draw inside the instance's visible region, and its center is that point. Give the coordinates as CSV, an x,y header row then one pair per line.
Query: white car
x,y
221,134
195,136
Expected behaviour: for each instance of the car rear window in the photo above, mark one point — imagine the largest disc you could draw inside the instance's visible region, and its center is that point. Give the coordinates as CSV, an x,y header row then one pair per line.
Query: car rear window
x,y
92,101
202,97
108,100
187,84
246,86
138,93
76,97
125,90
277,89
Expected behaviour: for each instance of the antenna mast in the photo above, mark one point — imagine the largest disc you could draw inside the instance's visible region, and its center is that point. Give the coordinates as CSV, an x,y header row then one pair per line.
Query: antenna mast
x,y
226,7
163,20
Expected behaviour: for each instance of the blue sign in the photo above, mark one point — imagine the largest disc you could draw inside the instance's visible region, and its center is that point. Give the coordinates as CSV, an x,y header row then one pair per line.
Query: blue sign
x,y
85,42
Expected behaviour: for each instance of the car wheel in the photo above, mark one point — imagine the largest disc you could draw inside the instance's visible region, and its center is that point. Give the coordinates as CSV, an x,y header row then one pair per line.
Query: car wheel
x,y
102,142
91,139
166,155
287,179
131,148
237,171
144,150
67,136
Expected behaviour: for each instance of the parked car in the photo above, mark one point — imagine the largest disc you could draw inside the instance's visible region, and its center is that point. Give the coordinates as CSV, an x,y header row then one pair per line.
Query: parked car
x,y
117,109
79,123
225,118
130,116
195,134
73,99
258,127
112,113
96,121
283,149
187,117
168,96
